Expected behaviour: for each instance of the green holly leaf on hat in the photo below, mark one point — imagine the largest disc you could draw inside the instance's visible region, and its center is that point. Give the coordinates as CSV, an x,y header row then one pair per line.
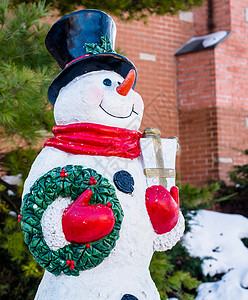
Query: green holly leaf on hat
x,y
93,48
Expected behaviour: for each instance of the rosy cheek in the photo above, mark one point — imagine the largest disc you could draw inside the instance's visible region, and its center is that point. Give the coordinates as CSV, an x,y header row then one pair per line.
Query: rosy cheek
x,y
92,96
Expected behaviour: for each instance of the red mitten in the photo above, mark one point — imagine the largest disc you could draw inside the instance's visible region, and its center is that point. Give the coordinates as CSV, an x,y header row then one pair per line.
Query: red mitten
x,y
162,207
85,223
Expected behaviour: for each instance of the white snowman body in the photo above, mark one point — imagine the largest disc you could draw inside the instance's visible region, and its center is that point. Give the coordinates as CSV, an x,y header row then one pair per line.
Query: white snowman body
x,y
126,270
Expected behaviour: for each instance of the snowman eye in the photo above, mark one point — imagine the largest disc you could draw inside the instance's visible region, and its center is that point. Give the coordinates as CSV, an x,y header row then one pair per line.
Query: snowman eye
x,y
107,82
118,82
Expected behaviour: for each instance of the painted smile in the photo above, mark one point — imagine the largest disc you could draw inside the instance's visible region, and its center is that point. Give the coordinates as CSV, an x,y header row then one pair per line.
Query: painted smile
x,y
132,111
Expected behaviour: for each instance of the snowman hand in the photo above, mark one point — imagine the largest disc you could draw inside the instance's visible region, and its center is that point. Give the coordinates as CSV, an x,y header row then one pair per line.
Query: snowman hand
x,y
162,207
85,223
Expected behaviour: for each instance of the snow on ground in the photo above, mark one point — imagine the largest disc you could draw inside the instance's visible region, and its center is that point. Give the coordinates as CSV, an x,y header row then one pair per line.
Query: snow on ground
x,y
12,179
218,235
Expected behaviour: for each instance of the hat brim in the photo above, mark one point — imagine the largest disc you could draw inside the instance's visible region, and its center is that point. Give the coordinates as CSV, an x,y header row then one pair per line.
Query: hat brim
x,y
96,62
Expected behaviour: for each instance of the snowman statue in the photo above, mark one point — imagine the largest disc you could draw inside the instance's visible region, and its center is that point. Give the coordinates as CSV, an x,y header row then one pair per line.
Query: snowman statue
x,y
100,197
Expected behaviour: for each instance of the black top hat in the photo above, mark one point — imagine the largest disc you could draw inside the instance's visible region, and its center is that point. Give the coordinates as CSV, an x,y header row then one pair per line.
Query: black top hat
x,y
82,42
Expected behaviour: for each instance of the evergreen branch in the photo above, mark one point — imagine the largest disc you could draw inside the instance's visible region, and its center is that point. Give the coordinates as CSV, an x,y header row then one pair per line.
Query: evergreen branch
x,y
10,202
15,90
13,32
12,131
11,187
26,53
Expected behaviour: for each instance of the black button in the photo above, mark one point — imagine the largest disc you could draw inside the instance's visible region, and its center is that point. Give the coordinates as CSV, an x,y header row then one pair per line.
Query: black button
x,y
129,297
124,181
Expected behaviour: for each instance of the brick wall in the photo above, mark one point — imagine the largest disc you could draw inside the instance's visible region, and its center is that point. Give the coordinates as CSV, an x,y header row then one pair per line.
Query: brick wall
x,y
196,80
221,18
213,97
201,20
197,118
232,91
200,148
232,138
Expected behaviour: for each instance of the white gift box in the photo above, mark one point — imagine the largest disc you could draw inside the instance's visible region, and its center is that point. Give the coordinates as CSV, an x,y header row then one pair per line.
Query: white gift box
x,y
159,158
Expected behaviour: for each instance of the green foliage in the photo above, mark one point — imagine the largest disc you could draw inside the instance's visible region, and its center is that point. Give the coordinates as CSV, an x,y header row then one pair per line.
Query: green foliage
x,y
26,70
237,191
121,51
11,240
127,10
169,281
14,162
182,261
19,160
20,274
192,197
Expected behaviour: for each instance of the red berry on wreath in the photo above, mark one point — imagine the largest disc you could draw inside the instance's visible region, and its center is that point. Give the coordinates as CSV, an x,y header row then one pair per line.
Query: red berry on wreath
x,y
63,174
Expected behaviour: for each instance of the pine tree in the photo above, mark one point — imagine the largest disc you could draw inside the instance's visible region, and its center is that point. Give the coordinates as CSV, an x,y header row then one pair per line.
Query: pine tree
x,y
26,71
126,10
170,281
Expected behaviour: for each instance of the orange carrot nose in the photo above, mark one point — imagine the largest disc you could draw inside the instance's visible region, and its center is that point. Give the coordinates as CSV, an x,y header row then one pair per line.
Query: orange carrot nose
x,y
124,88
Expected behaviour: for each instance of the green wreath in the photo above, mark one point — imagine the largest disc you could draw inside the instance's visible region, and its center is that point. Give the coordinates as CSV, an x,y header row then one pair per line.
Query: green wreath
x,y
69,181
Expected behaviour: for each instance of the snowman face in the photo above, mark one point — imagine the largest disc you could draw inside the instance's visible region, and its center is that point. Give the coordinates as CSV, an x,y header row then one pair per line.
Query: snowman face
x,y
92,98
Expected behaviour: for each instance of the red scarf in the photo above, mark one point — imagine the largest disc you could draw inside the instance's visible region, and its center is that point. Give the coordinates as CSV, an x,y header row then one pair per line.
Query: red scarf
x,y
95,139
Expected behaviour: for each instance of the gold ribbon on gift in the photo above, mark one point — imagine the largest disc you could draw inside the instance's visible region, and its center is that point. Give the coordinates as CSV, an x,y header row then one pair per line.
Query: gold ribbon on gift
x,y
160,172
